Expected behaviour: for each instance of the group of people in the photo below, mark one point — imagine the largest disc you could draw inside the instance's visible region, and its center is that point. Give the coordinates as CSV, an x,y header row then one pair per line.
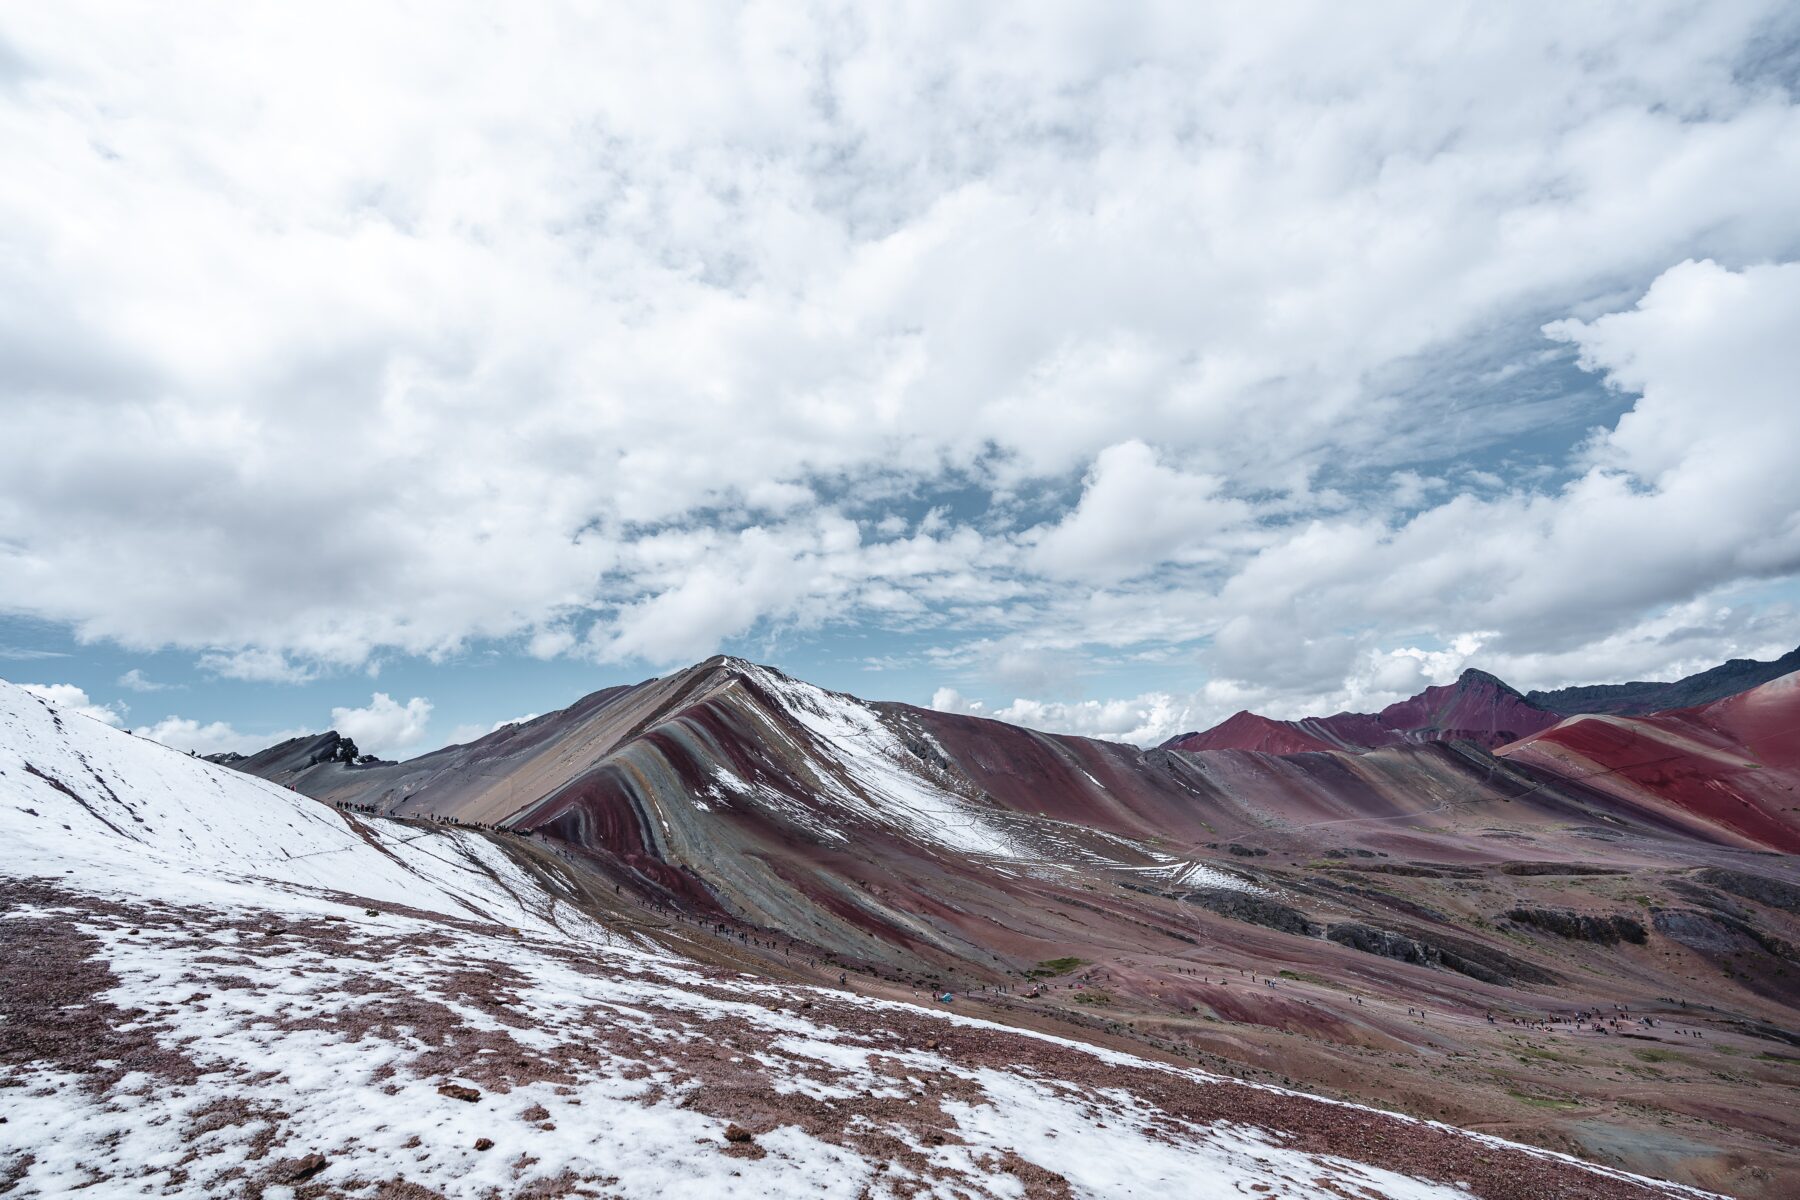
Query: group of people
x,y
434,818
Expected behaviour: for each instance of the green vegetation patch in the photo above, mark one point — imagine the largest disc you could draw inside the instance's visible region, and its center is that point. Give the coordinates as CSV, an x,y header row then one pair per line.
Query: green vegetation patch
x,y
1527,1053
1053,966
1657,1056
1543,1101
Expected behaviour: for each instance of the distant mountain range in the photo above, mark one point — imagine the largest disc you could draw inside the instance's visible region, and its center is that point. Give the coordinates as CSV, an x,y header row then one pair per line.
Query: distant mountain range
x,y
1479,708
1637,699
1476,708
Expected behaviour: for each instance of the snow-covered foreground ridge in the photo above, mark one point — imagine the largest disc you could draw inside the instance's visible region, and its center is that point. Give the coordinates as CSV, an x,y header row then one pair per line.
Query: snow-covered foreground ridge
x,y
213,986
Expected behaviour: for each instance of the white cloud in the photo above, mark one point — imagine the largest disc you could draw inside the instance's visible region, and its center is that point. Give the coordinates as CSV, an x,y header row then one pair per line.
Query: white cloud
x,y
385,727
135,680
72,699
256,666
1136,514
549,643
1140,720
211,737
29,653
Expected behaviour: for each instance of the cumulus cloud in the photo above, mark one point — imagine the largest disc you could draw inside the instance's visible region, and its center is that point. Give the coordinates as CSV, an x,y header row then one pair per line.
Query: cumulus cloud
x,y
384,727
256,666
1188,327
71,699
136,681
1134,515
1141,720
210,737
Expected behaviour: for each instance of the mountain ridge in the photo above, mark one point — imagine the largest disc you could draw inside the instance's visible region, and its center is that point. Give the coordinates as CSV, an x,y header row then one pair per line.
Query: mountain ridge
x,y
1477,707
1643,697
1480,707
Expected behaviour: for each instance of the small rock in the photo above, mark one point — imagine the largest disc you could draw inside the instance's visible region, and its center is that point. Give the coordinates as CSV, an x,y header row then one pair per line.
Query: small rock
x,y
457,1091
371,912
484,1143
302,1169
737,1134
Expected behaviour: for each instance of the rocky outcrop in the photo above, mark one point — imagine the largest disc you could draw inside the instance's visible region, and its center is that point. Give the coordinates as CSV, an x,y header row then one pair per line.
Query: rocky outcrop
x,y
1555,868
336,748
1717,934
1760,888
1437,950
1255,909
1582,927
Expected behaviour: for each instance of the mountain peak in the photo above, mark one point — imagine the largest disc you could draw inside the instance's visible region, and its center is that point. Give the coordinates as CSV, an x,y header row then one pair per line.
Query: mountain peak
x,y
1246,730
1475,678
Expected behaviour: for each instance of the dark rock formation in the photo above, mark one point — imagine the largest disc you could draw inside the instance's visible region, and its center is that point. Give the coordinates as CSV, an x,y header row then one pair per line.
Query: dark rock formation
x,y
1252,908
1437,950
1717,934
1763,890
1582,927
1554,868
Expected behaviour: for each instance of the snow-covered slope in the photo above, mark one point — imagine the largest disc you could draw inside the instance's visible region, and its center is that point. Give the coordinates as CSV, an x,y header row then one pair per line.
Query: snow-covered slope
x,y
870,776
122,816
214,986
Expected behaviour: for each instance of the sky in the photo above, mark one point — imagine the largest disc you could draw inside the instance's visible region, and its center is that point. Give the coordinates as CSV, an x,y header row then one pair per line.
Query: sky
x,y
411,369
